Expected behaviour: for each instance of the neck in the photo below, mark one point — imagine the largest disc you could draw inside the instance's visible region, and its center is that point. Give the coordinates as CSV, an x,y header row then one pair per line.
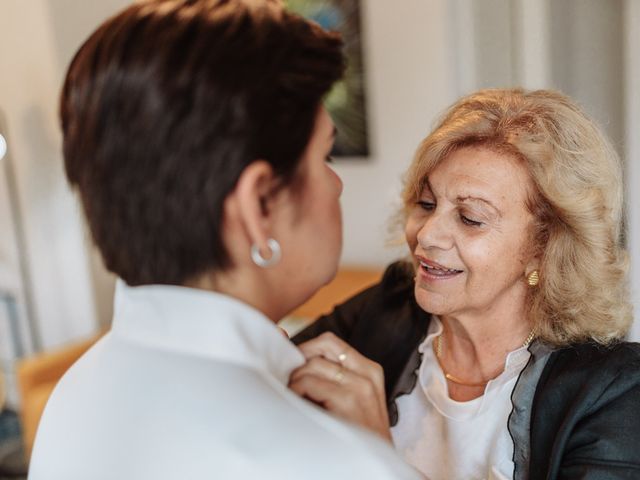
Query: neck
x,y
244,287
473,348
483,339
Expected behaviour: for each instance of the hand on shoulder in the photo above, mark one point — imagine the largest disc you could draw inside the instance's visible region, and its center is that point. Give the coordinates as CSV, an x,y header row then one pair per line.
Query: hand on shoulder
x,y
344,382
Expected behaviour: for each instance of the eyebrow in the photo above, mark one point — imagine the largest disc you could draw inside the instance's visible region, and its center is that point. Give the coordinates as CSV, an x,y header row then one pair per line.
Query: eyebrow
x,y
462,198
469,198
466,198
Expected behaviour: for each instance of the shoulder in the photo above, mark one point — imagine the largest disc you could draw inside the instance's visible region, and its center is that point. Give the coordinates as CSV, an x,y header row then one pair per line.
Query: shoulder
x,y
398,278
586,412
593,365
394,292
386,321
372,309
586,378
616,351
395,287
178,405
596,362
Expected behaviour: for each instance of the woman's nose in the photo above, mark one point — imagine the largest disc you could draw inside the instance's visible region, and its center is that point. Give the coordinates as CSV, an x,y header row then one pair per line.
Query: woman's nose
x,y
436,232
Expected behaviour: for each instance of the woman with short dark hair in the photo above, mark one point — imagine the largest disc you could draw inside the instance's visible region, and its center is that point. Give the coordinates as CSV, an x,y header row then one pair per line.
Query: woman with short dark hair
x,y
195,137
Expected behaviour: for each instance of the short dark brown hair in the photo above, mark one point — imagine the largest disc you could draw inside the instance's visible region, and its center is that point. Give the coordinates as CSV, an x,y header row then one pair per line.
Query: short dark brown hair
x,y
165,105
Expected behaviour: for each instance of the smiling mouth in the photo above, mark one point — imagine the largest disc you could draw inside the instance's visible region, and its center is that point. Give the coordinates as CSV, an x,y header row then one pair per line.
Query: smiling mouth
x,y
432,269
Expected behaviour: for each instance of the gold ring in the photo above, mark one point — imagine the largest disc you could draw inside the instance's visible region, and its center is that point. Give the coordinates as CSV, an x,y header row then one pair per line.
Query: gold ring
x,y
339,376
342,358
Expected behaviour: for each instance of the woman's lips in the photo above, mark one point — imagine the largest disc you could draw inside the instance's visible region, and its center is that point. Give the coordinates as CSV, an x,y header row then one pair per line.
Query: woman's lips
x,y
434,271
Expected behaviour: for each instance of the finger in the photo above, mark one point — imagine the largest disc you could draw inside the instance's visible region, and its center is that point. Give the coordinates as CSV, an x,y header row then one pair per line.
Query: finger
x,y
335,349
318,389
325,369
329,394
349,384
345,402
350,400
326,345
320,367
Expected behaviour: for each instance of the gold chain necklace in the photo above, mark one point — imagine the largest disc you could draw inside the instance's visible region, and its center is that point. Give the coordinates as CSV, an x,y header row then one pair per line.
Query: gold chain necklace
x,y
456,380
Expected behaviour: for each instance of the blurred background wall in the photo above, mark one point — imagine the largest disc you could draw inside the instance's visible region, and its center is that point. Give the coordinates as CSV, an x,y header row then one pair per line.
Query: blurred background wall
x,y
420,55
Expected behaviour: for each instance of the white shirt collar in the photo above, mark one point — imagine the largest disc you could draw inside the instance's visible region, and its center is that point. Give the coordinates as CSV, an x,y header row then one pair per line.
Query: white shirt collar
x,y
202,323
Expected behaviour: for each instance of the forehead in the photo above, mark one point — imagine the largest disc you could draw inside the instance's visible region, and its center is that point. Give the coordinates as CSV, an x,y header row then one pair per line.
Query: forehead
x,y
480,172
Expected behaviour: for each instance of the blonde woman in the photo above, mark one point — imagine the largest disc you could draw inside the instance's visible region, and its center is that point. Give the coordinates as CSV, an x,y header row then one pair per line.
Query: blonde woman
x,y
502,340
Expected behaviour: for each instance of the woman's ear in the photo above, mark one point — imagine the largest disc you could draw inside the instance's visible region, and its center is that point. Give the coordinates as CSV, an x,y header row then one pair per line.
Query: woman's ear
x,y
252,194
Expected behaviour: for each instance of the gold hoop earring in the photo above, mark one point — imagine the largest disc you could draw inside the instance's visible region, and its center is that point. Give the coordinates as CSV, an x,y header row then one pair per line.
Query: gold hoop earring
x,y
533,278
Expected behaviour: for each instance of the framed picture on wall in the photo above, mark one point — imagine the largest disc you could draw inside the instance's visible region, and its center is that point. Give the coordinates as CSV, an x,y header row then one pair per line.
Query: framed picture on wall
x,y
347,100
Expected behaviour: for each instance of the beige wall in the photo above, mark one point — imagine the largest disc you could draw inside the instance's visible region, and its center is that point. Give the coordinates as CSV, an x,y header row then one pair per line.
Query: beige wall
x,y
420,55
62,293
410,80
632,146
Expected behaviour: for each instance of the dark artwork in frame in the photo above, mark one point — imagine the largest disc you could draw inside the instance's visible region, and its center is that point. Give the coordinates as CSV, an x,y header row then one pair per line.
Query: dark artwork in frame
x,y
347,100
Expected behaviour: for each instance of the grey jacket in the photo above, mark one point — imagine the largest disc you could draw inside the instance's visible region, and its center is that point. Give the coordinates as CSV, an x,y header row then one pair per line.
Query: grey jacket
x,y
576,410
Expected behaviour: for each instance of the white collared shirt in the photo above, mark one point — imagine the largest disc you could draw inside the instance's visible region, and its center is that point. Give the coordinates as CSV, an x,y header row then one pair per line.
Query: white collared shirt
x,y
193,385
451,440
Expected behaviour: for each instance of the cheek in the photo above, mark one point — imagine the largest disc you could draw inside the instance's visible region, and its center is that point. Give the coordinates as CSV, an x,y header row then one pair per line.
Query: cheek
x,y
496,258
336,224
477,255
329,214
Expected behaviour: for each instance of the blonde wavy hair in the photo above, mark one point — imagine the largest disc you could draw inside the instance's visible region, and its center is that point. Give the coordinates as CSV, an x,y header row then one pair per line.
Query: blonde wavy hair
x,y
577,204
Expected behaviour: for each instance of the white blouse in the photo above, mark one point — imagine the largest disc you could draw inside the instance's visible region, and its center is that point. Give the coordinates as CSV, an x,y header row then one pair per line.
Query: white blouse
x,y
447,439
193,385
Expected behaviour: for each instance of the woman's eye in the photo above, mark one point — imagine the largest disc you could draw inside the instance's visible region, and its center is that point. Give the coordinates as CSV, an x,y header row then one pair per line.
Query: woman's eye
x,y
426,205
329,159
470,222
